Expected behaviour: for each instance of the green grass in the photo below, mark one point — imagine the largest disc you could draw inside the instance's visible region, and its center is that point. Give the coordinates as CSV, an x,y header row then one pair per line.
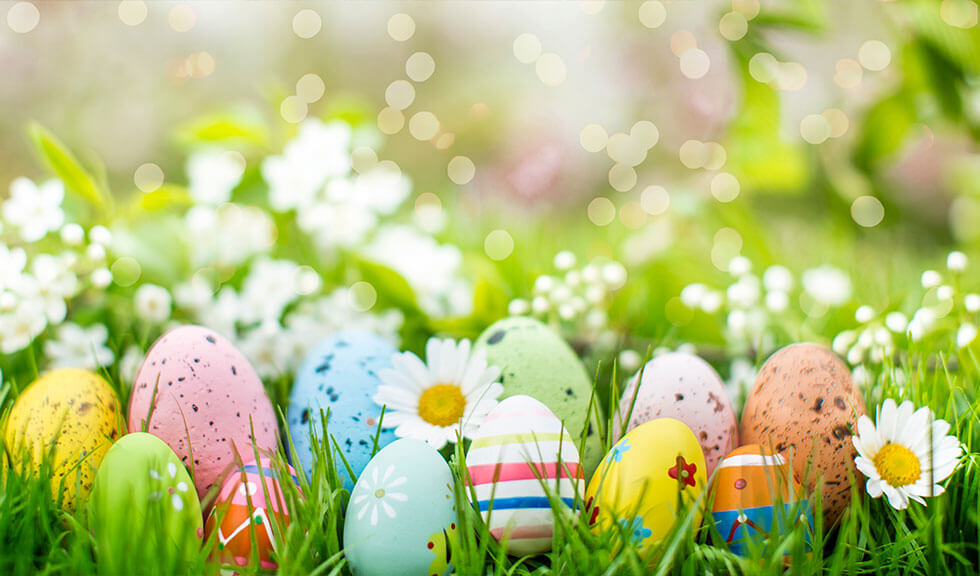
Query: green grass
x,y
38,537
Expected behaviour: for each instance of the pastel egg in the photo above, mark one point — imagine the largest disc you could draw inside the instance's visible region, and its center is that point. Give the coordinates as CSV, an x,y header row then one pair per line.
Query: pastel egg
x,y
519,447
401,518
251,500
754,491
70,416
341,375
684,387
643,477
805,405
143,505
537,362
200,395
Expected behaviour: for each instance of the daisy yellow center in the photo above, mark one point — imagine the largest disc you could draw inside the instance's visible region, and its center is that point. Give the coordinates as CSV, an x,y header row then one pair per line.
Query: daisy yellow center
x,y
897,465
442,405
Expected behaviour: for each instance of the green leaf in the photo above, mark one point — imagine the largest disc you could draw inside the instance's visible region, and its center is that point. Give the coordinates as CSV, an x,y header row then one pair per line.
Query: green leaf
x,y
164,197
234,127
884,130
489,301
59,159
390,285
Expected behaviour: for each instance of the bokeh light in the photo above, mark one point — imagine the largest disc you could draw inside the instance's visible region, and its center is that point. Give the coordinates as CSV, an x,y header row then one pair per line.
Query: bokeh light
x,y
527,48
815,128
182,17
22,17
550,69
307,23
733,26
420,66
401,27
655,200
498,245
593,138
423,126
148,177
400,94
601,211
867,211
390,120
461,170
310,88
725,187
874,55
653,13
132,12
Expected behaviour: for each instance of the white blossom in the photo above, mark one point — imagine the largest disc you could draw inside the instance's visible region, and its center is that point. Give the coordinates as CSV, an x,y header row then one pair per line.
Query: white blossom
x,y
827,285
778,278
956,261
319,151
213,174
153,303
78,347
228,235
35,210
966,334
21,325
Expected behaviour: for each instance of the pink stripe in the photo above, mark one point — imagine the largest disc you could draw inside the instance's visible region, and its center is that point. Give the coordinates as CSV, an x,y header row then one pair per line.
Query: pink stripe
x,y
487,473
523,413
524,532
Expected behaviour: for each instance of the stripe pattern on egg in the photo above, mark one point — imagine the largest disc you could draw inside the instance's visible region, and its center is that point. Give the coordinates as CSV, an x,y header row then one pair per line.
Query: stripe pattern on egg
x,y
521,447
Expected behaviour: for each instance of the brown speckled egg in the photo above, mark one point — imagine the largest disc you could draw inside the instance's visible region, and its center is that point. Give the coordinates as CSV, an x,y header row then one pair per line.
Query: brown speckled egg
x,y
73,416
684,387
805,403
206,399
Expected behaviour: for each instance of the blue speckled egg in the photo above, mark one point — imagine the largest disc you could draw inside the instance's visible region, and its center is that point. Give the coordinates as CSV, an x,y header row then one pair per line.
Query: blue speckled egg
x,y
341,375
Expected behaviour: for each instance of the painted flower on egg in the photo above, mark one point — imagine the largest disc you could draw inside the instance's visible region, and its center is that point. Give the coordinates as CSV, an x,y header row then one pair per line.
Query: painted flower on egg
x,y
377,494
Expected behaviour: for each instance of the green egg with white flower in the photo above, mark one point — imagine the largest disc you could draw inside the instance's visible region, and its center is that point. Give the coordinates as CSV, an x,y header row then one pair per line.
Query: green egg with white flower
x,y
144,504
537,362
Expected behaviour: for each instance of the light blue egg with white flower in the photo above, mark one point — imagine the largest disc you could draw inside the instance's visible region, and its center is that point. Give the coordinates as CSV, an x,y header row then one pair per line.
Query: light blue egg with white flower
x,y
340,375
401,518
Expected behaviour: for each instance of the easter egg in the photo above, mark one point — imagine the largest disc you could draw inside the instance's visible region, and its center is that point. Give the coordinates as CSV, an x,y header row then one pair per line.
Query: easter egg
x,y
66,419
805,405
520,448
754,492
537,362
200,395
401,518
244,506
684,387
143,504
341,375
643,477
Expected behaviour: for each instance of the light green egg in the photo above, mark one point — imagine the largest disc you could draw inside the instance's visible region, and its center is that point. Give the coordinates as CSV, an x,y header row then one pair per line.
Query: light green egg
x,y
143,505
536,361
402,515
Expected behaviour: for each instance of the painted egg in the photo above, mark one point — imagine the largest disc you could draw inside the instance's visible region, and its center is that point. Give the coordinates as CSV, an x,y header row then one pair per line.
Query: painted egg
x,y
640,481
535,361
519,447
805,406
341,375
243,504
401,518
206,400
684,387
753,491
71,416
143,502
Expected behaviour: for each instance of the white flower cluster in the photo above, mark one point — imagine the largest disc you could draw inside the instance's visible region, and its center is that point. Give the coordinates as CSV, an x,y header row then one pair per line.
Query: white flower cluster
x,y
576,298
40,273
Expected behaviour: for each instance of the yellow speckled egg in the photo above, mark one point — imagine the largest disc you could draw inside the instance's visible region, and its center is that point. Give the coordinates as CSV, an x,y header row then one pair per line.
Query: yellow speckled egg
x,y
638,482
74,416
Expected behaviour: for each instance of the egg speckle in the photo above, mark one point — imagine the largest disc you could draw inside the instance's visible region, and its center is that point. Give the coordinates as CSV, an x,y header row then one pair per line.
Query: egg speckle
x,y
687,388
341,375
206,399
804,403
74,411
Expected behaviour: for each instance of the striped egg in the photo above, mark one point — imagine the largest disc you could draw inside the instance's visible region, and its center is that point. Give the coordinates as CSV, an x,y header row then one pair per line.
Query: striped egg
x,y
521,448
754,490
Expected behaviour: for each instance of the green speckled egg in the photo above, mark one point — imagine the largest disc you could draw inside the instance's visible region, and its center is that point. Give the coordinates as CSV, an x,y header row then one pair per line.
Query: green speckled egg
x,y
536,361
74,416
144,503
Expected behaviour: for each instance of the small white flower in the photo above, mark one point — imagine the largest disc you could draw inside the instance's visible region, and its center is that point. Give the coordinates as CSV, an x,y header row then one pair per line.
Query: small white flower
x,y
742,376
944,292
931,279
777,301
864,314
374,494
56,283
540,305
319,151
129,364
19,327
564,260
956,261
95,252
101,277
614,275
711,302
739,266
336,225
693,294
78,347
213,174
827,285
905,453
843,342
921,323
629,360
229,234
153,303
778,278
965,335
544,284
744,293
35,210
269,287
270,349
434,402
897,322
596,320
972,302
12,262
72,234
518,307
100,235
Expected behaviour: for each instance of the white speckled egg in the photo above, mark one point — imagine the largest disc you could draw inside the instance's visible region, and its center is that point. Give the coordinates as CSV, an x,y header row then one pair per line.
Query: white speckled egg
x,y
686,388
520,446
402,516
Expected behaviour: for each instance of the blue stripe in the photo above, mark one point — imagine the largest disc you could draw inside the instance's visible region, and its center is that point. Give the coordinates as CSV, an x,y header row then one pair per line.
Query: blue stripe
x,y
514,503
267,472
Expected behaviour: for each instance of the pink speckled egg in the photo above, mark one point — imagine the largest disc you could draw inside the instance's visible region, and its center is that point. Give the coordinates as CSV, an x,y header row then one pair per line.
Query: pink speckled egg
x,y
204,393
686,388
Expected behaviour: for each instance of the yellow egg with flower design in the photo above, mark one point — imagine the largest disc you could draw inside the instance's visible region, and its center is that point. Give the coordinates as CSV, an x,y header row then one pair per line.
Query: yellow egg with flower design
x,y
647,481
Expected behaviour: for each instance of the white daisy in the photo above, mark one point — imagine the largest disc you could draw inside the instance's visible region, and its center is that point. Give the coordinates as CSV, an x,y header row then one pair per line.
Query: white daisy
x,y
454,392
906,454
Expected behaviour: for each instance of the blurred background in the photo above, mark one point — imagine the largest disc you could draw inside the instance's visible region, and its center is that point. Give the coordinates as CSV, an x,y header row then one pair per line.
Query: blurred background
x,y
659,141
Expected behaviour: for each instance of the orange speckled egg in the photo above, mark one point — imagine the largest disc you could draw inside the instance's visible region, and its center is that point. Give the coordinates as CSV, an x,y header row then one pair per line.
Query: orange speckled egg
x,y
805,404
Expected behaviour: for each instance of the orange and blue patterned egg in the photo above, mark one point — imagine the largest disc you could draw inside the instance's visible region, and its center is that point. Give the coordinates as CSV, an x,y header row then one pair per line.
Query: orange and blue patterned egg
x,y
520,455
242,504
641,480
755,493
